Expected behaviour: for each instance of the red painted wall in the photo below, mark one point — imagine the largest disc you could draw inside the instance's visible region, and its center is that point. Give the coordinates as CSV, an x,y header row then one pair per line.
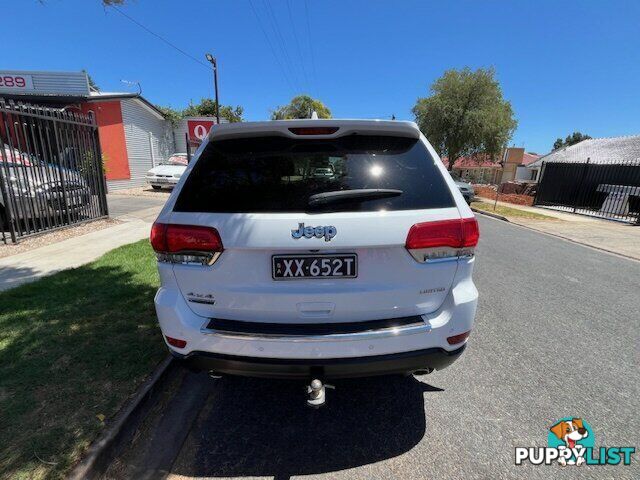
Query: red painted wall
x,y
112,142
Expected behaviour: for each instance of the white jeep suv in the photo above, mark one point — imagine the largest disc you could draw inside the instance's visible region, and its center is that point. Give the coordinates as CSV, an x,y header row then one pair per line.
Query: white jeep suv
x,y
269,269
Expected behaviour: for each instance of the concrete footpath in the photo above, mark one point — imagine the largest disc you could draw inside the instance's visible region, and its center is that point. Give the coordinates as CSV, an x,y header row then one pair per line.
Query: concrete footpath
x,y
136,217
608,235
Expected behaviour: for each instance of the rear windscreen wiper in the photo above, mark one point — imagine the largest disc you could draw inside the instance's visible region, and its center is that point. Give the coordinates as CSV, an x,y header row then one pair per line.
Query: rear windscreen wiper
x,y
361,194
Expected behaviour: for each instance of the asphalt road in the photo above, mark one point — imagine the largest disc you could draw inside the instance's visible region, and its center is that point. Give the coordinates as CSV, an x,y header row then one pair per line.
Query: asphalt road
x,y
557,334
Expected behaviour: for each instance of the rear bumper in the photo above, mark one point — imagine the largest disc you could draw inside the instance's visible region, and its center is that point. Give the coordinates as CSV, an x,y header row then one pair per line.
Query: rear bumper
x,y
396,363
162,181
229,347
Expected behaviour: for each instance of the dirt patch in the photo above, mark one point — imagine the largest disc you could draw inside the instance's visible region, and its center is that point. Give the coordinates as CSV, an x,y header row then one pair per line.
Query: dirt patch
x,y
43,239
143,192
490,192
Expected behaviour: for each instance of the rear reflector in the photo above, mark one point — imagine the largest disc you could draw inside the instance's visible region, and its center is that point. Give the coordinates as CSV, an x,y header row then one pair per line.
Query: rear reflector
x,y
313,130
176,342
459,233
461,337
185,243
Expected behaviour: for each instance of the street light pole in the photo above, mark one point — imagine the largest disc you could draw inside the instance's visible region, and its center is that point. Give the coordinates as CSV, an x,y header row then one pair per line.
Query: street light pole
x,y
211,59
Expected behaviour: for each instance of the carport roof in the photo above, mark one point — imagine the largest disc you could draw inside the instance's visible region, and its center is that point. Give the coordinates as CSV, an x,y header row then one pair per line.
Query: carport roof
x,y
61,100
597,150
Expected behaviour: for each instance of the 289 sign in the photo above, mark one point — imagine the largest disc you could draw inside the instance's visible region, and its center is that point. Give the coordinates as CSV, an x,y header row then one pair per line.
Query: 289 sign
x,y
16,82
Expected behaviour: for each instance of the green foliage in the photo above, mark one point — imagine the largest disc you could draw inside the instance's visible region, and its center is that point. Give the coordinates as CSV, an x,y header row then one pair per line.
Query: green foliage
x,y
466,114
86,164
73,347
575,137
301,107
170,114
206,108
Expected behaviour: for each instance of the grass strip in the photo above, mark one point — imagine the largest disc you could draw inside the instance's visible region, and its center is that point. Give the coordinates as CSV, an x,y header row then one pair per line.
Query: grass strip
x,y
73,347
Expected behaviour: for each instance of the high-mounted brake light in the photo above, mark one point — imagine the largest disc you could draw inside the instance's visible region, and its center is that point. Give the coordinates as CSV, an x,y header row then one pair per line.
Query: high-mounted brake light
x,y
186,243
313,130
443,239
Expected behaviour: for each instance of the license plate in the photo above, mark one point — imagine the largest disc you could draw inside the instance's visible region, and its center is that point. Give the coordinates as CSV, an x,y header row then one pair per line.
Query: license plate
x,y
297,267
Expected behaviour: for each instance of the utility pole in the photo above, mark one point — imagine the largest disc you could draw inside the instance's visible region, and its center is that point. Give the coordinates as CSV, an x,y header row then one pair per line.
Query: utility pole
x,y
211,59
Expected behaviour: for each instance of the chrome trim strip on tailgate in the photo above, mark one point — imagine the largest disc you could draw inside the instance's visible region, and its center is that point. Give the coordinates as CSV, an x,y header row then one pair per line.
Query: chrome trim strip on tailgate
x,y
419,326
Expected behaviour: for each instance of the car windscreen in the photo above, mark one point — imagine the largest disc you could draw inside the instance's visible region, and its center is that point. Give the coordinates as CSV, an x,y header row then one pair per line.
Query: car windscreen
x,y
280,175
176,160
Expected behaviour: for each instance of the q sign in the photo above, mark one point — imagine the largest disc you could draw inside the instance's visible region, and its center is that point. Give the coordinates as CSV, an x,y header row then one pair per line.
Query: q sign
x,y
198,129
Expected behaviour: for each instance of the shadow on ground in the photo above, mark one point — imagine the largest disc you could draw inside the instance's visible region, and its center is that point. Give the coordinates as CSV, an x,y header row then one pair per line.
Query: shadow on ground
x,y
11,277
252,427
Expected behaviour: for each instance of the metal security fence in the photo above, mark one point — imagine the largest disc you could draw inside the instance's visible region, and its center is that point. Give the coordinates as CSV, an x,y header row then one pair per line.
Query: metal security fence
x,y
51,172
604,190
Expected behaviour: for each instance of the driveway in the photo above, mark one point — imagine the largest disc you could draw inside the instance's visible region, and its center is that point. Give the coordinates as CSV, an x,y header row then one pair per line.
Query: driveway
x,y
136,206
136,214
557,335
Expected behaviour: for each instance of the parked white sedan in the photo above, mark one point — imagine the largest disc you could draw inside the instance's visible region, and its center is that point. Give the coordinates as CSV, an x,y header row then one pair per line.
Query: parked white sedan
x,y
167,173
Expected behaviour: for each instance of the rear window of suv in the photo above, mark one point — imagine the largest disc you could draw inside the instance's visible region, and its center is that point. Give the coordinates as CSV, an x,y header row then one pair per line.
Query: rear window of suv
x,y
280,174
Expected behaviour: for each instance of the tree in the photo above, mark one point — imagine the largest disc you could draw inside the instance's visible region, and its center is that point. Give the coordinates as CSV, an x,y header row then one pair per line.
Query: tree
x,y
92,84
207,107
575,137
466,114
301,107
170,114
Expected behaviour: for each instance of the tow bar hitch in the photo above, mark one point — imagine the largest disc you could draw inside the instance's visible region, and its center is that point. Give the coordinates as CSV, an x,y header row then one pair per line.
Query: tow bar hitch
x,y
317,393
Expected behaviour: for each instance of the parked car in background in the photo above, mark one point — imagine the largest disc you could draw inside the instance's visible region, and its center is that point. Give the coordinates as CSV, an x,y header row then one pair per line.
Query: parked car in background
x,y
323,172
168,173
36,189
465,188
271,273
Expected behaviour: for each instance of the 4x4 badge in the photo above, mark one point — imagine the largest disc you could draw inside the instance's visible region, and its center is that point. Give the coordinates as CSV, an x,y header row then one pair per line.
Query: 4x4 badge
x,y
328,232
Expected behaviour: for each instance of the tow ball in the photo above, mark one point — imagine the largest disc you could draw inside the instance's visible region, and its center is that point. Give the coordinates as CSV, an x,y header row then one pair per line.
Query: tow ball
x,y
317,393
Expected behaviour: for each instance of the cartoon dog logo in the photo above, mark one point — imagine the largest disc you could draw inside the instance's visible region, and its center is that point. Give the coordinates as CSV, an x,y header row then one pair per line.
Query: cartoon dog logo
x,y
570,432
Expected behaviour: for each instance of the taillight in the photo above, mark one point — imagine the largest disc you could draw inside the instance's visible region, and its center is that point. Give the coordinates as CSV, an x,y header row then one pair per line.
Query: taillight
x,y
190,244
443,239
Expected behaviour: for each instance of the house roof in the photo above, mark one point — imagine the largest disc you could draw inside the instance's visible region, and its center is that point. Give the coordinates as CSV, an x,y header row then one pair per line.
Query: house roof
x,y
484,161
597,150
529,158
96,95
474,161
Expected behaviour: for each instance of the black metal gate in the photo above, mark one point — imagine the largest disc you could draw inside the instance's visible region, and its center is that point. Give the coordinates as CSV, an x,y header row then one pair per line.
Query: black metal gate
x,y
51,172
603,190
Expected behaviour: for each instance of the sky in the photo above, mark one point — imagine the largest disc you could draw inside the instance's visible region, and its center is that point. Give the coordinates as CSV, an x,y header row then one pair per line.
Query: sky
x,y
564,65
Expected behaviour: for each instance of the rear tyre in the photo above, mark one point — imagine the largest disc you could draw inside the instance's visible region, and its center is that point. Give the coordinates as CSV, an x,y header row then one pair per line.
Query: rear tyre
x,y
156,187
